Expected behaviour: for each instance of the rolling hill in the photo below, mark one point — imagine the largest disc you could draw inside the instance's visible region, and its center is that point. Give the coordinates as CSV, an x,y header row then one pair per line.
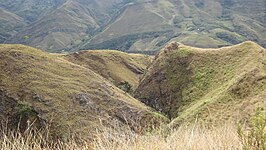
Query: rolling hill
x,y
60,23
46,89
133,25
212,85
9,25
78,93
117,67
191,22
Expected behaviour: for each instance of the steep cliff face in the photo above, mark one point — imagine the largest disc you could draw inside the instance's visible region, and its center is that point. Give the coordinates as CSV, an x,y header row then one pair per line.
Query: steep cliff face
x,y
184,81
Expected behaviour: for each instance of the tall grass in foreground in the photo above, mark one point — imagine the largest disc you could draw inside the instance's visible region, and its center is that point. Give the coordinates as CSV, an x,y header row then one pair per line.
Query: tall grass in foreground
x,y
32,140
192,138
254,138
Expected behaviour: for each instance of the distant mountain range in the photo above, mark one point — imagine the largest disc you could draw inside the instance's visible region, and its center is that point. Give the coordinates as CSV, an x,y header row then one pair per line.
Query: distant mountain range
x,y
131,25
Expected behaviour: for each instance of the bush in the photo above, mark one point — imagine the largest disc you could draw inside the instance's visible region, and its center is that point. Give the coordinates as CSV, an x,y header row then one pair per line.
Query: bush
x,y
25,117
125,86
26,37
254,137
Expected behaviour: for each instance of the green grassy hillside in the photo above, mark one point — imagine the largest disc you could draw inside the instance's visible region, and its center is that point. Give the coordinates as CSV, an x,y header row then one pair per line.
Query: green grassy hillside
x,y
115,66
47,89
62,24
133,25
30,10
203,92
210,84
10,24
191,22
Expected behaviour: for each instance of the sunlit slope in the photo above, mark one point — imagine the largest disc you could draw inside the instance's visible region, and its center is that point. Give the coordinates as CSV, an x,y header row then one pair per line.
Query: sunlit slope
x,y
196,23
73,98
133,25
115,66
210,84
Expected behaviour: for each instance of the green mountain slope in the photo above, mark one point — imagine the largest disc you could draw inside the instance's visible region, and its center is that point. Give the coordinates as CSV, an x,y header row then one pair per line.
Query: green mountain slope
x,y
30,10
10,24
192,22
117,67
67,24
46,89
58,29
210,84
136,25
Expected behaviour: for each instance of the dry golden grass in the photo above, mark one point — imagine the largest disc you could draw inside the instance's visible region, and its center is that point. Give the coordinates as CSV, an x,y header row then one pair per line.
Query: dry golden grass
x,y
113,65
215,84
75,96
192,138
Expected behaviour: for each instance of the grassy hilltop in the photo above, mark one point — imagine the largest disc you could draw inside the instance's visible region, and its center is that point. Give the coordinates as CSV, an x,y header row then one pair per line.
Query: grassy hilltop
x,y
212,84
113,65
47,87
183,98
